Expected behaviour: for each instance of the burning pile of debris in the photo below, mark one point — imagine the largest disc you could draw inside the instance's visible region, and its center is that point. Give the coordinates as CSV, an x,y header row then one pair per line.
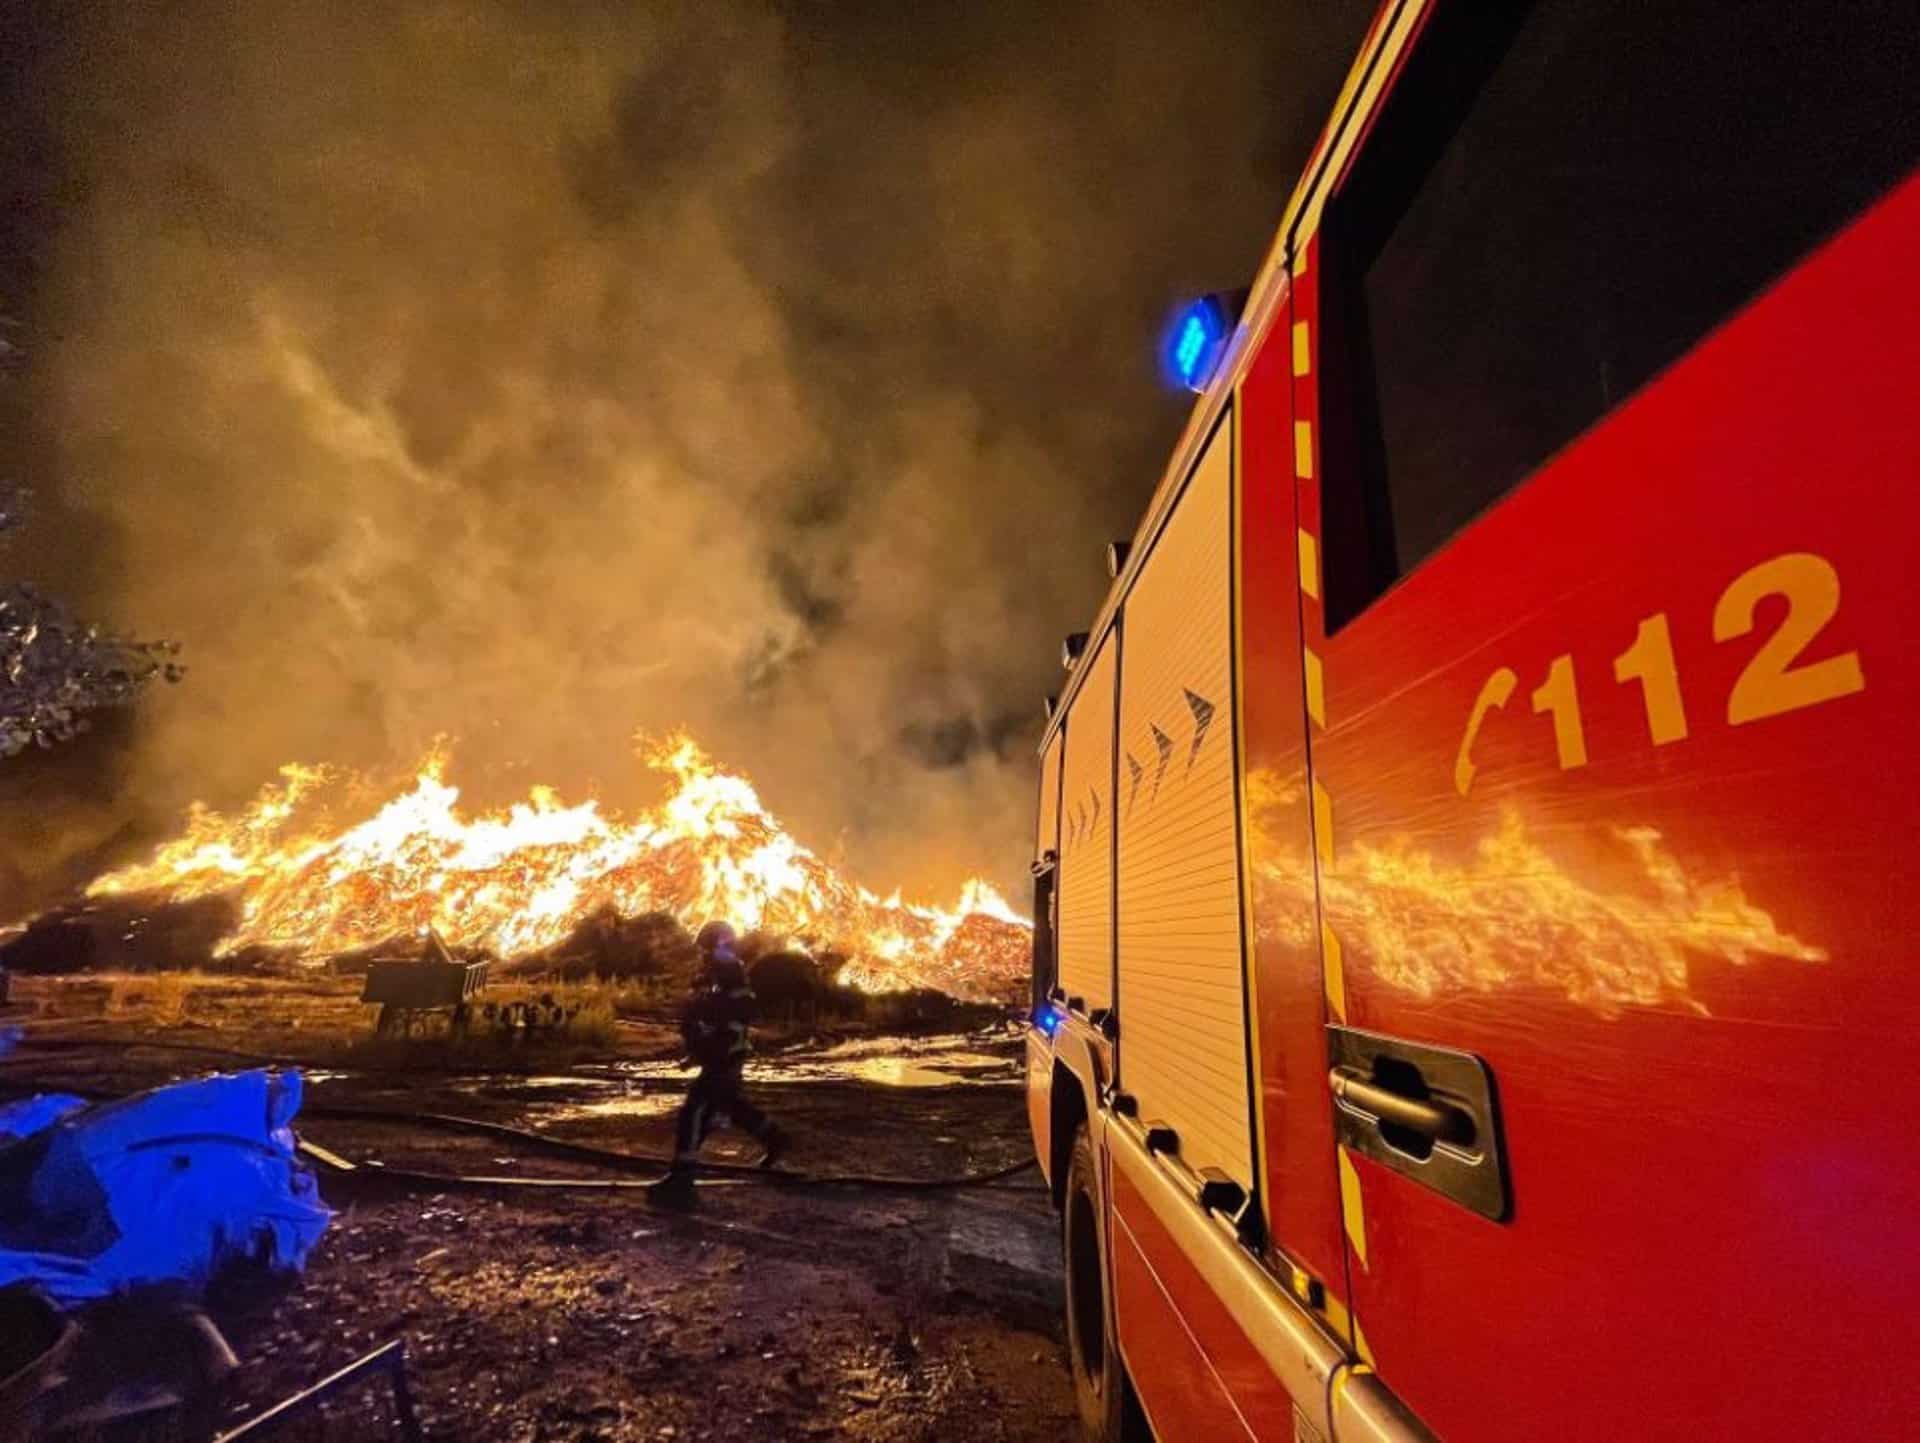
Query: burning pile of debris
x,y
576,888
139,933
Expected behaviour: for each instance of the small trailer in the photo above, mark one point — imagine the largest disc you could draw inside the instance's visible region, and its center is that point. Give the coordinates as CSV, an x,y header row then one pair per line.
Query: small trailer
x,y
409,988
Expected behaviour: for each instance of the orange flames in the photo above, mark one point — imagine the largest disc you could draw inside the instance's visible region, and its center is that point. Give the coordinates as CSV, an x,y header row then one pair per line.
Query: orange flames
x,y
516,881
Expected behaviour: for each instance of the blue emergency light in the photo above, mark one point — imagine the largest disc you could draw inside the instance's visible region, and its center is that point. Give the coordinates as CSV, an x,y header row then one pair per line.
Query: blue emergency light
x,y
1198,338
1195,342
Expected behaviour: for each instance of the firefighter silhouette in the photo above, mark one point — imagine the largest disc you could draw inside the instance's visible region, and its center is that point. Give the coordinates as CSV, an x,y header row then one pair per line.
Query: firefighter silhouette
x,y
714,1025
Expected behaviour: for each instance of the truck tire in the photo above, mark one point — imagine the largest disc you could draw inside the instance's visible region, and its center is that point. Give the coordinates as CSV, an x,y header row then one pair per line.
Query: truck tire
x,y
1092,1349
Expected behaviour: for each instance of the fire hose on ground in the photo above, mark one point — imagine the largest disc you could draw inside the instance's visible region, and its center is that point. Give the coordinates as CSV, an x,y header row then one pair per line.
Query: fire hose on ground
x,y
599,1156
407,1179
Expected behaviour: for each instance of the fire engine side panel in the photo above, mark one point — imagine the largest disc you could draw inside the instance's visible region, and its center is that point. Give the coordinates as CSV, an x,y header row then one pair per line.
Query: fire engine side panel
x,y
1197,1372
1618,792
1182,1395
1278,576
1183,1052
1086,834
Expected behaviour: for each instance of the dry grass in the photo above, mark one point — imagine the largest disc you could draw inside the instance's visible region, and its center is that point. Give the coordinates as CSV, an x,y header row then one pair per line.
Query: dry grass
x,y
513,1025
629,996
237,1007
317,1002
318,1018
590,1009
157,998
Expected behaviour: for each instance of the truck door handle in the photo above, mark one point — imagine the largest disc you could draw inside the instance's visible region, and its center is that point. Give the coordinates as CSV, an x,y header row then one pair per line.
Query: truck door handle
x,y
1430,1119
1428,1113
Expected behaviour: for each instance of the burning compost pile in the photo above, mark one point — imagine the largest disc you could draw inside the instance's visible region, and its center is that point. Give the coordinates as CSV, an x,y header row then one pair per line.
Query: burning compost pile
x,y
322,864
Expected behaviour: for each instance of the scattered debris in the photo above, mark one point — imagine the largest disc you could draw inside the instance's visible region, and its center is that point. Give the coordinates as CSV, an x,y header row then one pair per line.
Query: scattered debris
x,y
390,1359
34,1341
148,1358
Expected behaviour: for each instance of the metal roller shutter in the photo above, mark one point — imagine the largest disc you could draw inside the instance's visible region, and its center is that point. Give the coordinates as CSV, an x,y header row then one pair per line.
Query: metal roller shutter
x,y
1182,1003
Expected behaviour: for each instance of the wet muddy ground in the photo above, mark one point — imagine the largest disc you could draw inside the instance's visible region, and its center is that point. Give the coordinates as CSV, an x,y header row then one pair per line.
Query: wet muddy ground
x,y
778,1311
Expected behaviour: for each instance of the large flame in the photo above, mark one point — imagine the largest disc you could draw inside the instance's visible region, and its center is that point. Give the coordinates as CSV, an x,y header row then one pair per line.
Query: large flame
x,y
517,881
1508,914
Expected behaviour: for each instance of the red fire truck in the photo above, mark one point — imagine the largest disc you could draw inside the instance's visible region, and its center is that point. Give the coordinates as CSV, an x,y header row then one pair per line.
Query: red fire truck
x,y
1475,979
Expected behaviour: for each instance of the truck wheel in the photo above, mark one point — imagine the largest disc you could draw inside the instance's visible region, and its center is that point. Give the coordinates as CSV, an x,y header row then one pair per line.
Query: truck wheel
x,y
1091,1346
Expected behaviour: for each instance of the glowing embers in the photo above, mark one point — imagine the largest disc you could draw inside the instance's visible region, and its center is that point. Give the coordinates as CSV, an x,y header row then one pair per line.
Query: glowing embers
x,y
522,879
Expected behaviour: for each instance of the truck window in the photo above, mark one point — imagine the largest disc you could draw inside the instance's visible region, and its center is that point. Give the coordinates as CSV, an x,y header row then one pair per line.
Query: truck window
x,y
1046,852
1045,968
1559,200
1083,883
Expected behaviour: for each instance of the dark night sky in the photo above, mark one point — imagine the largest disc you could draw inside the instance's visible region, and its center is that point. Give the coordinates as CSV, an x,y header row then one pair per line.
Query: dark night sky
x,y
537,373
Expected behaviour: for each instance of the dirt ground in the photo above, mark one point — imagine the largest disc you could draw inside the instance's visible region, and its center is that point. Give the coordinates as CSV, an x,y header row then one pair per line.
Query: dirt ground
x,y
533,1315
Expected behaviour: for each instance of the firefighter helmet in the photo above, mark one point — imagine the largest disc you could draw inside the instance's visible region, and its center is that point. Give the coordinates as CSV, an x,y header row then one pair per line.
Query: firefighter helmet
x,y
716,936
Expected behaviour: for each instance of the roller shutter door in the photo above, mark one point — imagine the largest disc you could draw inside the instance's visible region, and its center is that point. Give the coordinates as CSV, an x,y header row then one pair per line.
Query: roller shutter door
x,y
1183,1051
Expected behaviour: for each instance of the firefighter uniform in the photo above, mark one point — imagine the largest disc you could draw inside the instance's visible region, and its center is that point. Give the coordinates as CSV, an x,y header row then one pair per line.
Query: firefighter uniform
x,y
715,1027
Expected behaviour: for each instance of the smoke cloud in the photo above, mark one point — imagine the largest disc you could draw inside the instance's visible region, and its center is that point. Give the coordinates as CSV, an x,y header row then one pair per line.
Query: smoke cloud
x,y
538,373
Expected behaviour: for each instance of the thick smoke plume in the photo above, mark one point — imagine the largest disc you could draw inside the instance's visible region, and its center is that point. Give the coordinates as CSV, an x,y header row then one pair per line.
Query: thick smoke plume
x,y
537,373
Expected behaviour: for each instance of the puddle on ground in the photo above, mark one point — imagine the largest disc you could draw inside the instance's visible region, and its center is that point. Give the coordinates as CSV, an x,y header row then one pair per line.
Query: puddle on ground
x,y
952,1069
952,1061
654,1088
633,1104
506,1087
535,1083
906,1062
1028,1243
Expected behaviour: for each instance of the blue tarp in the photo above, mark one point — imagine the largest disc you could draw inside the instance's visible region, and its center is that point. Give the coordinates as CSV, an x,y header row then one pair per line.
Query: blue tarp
x,y
24,1119
168,1186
